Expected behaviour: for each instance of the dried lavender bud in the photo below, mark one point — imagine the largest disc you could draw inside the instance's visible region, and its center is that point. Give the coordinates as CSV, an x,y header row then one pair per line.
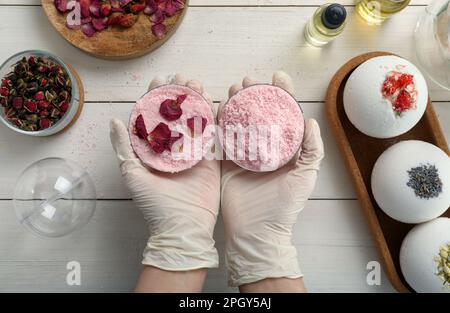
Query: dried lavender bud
x,y
425,181
35,94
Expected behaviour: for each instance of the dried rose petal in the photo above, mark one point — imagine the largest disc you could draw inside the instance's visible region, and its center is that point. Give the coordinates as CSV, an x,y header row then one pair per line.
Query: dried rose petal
x,y
88,29
139,127
86,20
85,7
100,23
95,8
171,109
61,5
124,2
157,17
159,30
159,138
150,8
194,122
115,4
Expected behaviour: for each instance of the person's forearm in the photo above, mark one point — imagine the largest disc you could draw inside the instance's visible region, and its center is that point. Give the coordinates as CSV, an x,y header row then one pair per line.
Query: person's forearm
x,y
153,279
274,285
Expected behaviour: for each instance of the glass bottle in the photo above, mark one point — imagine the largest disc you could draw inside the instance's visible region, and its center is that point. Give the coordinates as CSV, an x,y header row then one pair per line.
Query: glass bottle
x,y
376,11
327,23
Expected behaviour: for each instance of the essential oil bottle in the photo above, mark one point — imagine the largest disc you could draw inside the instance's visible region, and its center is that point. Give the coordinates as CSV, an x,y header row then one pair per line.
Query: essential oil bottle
x,y
376,11
327,23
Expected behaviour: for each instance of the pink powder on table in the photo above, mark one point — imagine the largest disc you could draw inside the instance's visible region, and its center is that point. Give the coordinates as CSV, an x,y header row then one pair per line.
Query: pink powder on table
x,y
273,115
194,148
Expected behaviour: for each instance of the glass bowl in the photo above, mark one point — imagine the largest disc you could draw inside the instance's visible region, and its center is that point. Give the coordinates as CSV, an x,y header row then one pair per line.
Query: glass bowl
x,y
74,105
432,42
53,197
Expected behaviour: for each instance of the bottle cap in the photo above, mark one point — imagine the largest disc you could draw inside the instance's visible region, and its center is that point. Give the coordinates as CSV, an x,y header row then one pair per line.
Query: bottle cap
x,y
334,16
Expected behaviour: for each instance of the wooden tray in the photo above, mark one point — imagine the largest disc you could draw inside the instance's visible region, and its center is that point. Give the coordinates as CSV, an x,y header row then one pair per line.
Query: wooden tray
x,y
360,153
114,43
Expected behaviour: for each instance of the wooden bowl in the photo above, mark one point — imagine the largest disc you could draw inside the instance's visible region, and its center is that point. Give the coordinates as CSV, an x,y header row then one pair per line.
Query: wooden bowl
x,y
114,43
360,153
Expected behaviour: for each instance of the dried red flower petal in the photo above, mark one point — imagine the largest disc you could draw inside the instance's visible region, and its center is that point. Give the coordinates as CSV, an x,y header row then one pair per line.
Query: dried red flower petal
x,y
405,79
157,17
100,23
159,30
139,127
88,29
194,122
403,101
159,138
390,86
95,8
85,7
61,5
171,109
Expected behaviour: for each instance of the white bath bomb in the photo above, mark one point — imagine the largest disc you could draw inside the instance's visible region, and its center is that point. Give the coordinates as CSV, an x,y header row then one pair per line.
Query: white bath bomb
x,y
411,181
420,255
385,96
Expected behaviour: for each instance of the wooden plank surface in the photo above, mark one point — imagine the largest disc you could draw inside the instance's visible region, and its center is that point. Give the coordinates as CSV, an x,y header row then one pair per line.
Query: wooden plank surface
x,y
109,251
219,42
219,46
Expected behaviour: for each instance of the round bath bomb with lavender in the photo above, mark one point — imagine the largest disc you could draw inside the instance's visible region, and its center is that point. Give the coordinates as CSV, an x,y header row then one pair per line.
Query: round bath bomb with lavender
x,y
168,128
262,127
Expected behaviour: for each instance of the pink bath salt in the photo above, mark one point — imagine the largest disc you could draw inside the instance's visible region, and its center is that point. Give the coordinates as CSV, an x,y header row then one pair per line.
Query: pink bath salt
x,y
269,123
186,152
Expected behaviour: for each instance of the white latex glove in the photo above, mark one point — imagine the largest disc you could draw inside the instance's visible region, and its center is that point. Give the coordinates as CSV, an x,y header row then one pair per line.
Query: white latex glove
x,y
260,209
180,209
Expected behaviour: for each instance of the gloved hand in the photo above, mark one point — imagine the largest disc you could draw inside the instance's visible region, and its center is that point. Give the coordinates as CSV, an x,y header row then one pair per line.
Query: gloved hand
x,y
260,209
180,209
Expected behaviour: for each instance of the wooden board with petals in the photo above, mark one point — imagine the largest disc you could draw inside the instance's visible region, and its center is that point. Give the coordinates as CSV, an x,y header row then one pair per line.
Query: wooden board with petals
x,y
113,42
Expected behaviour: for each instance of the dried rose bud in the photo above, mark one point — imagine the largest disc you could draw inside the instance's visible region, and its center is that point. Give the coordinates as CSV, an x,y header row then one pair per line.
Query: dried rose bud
x,y
43,105
105,9
6,83
4,101
4,92
44,123
127,20
136,8
39,96
30,106
17,103
64,107
44,114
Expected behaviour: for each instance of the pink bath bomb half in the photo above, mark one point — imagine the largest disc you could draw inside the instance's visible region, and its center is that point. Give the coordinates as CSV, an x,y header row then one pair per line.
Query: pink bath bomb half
x,y
191,148
262,127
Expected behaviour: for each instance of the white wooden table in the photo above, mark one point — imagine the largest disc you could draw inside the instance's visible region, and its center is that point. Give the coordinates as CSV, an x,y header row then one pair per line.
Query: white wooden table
x,y
219,42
